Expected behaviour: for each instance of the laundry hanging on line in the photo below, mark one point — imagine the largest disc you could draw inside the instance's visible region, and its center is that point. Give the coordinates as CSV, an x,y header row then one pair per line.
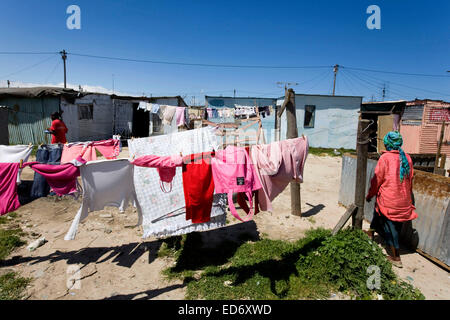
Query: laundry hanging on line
x,y
105,183
62,179
164,214
110,149
46,154
233,171
15,154
9,199
277,164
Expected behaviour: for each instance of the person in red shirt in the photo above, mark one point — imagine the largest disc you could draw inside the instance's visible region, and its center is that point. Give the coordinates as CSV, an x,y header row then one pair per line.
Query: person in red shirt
x,y
58,128
392,186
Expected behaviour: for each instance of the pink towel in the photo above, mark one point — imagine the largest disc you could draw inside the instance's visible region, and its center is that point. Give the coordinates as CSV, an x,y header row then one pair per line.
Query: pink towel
x,y
277,165
71,152
9,200
181,120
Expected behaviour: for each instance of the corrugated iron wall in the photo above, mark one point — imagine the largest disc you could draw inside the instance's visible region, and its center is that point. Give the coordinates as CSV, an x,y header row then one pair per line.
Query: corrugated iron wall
x,y
28,118
432,201
348,184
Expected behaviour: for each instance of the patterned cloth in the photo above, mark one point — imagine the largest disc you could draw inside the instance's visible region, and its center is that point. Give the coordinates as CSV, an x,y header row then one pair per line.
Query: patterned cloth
x,y
393,141
164,214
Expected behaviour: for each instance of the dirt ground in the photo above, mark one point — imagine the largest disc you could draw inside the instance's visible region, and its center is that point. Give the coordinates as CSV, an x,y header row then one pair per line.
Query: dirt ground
x,y
114,262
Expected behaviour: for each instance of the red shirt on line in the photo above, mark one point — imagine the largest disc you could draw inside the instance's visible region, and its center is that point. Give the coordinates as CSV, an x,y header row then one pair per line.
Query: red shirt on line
x,y
60,130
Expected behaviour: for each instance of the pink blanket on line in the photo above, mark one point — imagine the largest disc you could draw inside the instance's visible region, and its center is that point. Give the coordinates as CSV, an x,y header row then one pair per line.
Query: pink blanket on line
x,y
277,165
9,199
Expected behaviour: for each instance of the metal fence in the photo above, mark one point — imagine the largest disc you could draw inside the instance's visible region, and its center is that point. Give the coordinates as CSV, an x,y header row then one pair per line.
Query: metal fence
x,y
432,201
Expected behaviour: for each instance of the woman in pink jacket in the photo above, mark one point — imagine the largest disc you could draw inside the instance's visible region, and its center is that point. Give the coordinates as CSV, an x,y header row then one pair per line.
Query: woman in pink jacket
x,y
392,185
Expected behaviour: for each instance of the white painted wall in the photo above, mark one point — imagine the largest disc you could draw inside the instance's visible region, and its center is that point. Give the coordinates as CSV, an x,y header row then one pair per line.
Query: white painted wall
x,y
336,120
98,128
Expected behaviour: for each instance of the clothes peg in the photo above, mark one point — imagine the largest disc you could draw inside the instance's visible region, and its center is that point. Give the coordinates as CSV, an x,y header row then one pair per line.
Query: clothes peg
x,y
21,164
303,136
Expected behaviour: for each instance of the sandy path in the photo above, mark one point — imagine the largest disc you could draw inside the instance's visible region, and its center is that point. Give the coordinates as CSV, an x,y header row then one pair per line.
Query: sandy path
x,y
115,263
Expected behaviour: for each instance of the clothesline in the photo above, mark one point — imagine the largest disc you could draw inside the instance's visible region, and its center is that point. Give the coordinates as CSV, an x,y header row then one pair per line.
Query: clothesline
x,y
201,190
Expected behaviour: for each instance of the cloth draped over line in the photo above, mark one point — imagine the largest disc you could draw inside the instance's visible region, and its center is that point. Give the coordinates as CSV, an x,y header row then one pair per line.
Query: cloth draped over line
x,y
61,178
105,183
181,116
110,149
233,171
198,187
164,214
166,166
13,154
277,165
9,199
166,114
46,154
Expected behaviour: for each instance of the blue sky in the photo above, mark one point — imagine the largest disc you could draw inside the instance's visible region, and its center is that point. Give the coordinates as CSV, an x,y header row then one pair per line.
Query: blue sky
x,y
414,38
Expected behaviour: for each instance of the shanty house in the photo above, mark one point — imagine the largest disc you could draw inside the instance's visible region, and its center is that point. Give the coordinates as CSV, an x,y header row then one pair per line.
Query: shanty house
x,y
87,115
385,117
328,121
29,111
421,125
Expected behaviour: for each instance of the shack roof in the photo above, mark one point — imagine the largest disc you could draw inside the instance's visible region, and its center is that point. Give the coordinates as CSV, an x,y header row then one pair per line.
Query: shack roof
x,y
37,92
383,107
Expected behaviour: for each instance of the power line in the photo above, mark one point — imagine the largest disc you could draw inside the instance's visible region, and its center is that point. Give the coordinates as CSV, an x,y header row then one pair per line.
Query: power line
x,y
399,73
197,64
25,53
28,67
403,85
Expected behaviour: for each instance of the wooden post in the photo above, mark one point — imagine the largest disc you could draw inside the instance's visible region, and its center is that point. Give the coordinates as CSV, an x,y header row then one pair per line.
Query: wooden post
x,y
292,132
362,145
277,123
438,153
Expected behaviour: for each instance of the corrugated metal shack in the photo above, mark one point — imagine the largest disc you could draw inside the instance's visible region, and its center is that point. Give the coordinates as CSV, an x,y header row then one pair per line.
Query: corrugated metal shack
x,y
87,115
430,232
29,111
421,126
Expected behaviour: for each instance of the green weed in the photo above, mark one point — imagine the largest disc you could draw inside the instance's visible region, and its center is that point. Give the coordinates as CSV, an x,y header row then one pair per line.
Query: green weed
x,y
310,268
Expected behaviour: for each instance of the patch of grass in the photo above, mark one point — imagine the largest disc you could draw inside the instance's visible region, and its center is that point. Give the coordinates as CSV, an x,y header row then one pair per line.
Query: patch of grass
x,y
9,240
310,268
12,286
329,151
4,219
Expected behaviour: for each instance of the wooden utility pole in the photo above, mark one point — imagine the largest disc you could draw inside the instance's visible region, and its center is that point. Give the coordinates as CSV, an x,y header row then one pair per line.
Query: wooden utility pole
x,y
362,146
335,70
292,132
438,153
64,57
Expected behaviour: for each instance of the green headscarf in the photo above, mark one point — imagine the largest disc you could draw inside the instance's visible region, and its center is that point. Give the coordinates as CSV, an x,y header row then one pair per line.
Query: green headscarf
x,y
393,141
